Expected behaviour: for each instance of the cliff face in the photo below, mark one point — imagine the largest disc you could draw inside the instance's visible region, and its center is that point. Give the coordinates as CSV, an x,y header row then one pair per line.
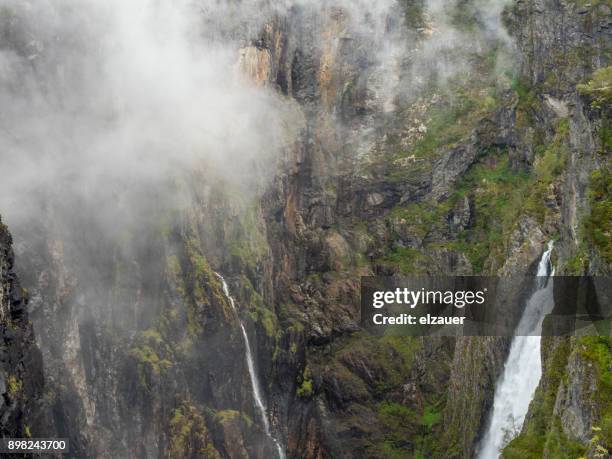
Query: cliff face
x,y
565,46
152,365
21,371
562,45
336,214
390,165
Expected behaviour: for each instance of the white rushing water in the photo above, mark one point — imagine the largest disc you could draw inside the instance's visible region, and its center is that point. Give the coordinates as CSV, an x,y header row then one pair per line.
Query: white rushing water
x,y
257,397
523,368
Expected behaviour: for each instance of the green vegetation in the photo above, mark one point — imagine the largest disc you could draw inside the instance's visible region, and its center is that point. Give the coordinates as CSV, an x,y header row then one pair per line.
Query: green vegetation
x,y
199,276
599,91
605,134
598,350
392,355
499,196
431,416
578,263
188,435
413,14
527,102
305,388
175,274
238,226
225,416
497,192
422,218
396,354
246,240
404,258
398,418
447,125
204,289
540,431
544,432
365,370
549,164
15,385
599,88
428,441
153,356
407,432
451,119
257,310
197,261
598,223
441,119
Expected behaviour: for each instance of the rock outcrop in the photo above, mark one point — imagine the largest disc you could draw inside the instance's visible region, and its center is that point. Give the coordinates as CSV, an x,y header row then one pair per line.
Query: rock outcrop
x,y
21,370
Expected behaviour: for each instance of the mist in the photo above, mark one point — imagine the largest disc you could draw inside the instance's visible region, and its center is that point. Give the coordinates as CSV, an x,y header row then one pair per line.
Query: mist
x,y
103,98
113,111
452,33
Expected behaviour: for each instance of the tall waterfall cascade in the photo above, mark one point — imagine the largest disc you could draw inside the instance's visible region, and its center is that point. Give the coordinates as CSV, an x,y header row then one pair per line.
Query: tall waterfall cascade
x,y
523,369
255,385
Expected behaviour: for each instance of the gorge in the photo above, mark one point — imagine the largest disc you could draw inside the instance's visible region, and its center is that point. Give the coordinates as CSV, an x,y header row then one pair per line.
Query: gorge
x,y
294,146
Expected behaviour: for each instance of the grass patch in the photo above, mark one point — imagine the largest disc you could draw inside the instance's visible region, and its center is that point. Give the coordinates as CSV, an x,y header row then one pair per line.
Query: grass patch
x,y
405,259
497,193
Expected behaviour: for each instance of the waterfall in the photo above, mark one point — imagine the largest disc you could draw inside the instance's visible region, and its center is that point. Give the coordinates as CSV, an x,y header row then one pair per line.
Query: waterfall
x,y
523,369
255,386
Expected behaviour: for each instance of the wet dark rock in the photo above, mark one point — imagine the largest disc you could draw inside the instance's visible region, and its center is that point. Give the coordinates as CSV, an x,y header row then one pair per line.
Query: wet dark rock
x,y
21,370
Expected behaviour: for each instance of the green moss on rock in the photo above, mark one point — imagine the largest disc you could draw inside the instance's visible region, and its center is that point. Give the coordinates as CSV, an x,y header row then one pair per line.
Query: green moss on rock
x,y
188,435
598,223
599,88
305,388
152,355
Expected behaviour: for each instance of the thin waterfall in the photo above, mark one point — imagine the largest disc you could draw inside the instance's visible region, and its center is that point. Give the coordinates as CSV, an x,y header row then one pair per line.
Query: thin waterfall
x,y
256,387
523,369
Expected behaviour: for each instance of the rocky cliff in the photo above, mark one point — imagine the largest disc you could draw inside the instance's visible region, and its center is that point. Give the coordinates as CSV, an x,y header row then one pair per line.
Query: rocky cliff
x,y
448,185
404,151
570,413
154,370
21,370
